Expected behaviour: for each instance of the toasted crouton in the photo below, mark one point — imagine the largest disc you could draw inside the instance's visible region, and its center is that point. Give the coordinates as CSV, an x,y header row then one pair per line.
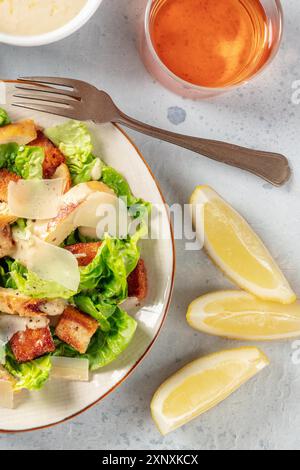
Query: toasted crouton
x,y
14,303
138,282
5,178
53,156
76,329
6,241
20,132
30,344
63,172
84,252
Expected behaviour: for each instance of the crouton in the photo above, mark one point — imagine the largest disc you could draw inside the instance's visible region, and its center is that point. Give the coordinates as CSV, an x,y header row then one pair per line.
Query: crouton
x,y
30,344
84,252
63,172
76,329
20,132
53,156
5,178
6,241
14,303
138,282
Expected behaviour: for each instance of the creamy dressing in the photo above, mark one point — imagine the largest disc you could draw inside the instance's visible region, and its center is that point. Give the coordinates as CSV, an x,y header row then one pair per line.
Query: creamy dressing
x,y
33,17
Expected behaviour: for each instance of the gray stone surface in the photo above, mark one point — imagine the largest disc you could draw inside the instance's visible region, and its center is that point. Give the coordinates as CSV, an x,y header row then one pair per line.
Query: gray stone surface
x,y
264,414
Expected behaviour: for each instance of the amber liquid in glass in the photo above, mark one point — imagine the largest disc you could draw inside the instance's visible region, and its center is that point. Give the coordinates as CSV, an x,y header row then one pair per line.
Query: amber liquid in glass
x,y
211,43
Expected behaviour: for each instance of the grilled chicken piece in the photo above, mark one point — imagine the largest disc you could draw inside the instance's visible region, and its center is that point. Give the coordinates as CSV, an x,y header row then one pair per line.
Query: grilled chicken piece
x,y
76,329
63,172
30,344
14,303
138,282
53,156
20,132
5,178
84,252
6,241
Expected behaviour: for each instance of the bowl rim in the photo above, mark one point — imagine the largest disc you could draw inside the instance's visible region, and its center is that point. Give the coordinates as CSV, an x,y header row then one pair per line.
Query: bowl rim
x,y
165,310
83,16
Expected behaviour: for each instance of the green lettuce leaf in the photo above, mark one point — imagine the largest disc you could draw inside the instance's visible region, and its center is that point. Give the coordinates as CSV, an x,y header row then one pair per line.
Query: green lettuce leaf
x,y
95,306
14,275
74,141
31,375
4,118
105,346
27,162
117,182
76,237
109,270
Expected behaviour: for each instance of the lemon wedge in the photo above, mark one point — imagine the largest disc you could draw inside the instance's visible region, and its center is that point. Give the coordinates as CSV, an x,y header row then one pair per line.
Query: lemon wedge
x,y
236,249
203,384
239,315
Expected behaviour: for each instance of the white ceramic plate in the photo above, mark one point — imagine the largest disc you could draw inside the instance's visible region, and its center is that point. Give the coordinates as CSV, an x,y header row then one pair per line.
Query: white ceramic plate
x,y
61,400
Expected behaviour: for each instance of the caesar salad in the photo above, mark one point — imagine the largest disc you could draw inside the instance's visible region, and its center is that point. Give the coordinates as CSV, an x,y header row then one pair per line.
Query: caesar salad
x,y
62,281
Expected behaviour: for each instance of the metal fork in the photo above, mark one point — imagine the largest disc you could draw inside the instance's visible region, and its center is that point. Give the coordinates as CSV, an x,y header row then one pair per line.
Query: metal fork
x,y
76,99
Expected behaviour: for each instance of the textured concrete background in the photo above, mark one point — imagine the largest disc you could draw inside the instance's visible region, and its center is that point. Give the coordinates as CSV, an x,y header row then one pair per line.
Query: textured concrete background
x,y
264,414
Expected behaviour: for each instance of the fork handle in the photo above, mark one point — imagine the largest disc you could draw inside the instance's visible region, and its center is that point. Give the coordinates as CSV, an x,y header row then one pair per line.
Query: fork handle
x,y
272,167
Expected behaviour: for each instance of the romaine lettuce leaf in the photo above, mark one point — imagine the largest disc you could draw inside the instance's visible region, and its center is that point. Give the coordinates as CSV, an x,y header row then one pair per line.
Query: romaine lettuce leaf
x,y
96,307
74,141
27,162
16,276
76,237
4,118
31,375
117,182
105,346
109,270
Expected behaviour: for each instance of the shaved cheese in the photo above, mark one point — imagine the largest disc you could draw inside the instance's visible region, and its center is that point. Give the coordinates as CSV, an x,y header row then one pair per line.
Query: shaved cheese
x,y
88,232
35,199
49,262
6,394
104,212
88,214
6,376
12,324
70,369
86,206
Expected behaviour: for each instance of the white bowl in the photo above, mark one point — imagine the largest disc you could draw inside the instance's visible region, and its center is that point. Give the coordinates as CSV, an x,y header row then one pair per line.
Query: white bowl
x,y
61,400
69,28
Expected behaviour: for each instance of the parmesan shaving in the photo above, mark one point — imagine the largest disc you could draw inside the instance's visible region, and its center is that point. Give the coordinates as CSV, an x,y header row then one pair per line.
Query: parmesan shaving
x,y
70,369
35,199
6,394
49,262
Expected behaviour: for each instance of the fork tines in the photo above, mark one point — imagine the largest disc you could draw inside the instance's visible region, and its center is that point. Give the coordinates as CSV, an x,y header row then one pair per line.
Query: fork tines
x,y
31,90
